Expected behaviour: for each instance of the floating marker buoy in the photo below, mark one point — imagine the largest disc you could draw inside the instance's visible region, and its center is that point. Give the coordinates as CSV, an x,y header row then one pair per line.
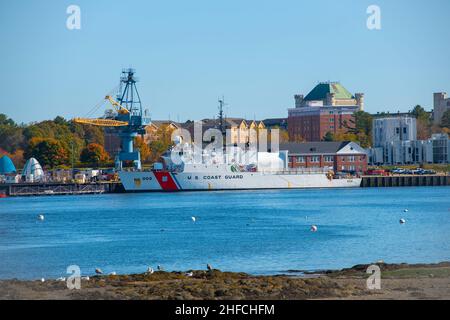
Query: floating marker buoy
x,y
402,221
41,217
313,228
194,219
406,210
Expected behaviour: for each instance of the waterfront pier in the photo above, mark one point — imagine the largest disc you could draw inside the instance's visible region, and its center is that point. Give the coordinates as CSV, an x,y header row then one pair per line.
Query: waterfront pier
x,y
405,181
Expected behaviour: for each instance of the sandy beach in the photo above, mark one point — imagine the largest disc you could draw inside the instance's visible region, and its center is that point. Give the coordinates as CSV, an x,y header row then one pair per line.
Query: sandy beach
x,y
398,281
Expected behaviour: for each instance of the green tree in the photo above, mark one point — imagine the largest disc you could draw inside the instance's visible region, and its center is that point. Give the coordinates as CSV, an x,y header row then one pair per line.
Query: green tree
x,y
423,122
4,120
445,121
48,151
359,129
94,154
328,136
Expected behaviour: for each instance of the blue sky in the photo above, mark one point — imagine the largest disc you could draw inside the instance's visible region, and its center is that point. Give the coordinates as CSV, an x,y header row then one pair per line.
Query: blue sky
x,y
188,53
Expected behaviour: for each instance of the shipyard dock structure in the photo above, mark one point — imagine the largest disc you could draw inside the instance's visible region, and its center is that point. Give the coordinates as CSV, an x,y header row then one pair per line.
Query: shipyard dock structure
x,y
48,189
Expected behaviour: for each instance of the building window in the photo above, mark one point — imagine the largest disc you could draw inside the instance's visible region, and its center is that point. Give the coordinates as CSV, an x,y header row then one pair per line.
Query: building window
x,y
351,158
301,159
315,159
328,158
404,130
331,119
331,127
397,130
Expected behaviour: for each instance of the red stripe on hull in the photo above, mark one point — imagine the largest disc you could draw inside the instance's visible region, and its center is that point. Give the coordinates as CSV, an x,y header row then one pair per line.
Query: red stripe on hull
x,y
165,180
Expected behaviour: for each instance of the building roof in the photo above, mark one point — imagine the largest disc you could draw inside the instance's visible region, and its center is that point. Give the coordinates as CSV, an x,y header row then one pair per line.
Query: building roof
x,y
274,121
6,165
319,147
322,89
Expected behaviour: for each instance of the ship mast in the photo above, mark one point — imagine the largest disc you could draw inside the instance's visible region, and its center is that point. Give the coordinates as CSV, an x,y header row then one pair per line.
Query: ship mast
x,y
221,118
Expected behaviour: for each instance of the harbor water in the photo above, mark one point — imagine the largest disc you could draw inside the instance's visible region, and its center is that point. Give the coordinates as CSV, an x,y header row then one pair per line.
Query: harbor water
x,y
259,232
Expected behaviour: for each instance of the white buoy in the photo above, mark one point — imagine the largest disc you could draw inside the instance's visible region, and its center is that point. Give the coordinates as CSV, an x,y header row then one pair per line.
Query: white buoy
x,y
406,210
402,221
41,217
98,271
314,228
194,219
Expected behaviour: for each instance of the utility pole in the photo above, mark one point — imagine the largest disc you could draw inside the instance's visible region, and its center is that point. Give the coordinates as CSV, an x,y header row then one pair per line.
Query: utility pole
x,y
72,157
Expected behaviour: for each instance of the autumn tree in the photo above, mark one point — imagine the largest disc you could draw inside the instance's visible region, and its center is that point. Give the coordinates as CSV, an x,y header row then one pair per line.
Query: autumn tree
x,y
162,141
94,154
142,146
48,151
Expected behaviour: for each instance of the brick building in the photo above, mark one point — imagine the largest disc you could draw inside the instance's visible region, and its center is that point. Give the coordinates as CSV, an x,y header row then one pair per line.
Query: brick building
x,y
345,156
325,109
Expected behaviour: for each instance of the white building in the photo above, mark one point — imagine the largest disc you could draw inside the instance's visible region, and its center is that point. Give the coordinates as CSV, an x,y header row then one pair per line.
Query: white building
x,y
393,129
395,144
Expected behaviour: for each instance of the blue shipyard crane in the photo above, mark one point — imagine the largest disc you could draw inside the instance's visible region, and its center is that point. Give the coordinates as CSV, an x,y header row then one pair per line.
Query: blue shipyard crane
x,y
128,122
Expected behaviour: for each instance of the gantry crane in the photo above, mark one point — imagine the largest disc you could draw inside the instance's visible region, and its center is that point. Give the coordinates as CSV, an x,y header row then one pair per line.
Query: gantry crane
x,y
128,123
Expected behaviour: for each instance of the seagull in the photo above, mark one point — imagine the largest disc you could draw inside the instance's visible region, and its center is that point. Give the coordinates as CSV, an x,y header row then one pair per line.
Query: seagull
x,y
314,228
85,278
402,221
41,217
194,219
150,270
113,273
189,274
98,271
159,268
406,210
208,266
61,279
42,280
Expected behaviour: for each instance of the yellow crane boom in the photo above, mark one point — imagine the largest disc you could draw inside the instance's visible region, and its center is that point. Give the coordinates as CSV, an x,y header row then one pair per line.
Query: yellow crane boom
x,y
101,122
117,105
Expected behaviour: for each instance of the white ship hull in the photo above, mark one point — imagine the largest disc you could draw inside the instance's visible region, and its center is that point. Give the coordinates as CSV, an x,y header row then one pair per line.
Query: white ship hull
x,y
134,181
